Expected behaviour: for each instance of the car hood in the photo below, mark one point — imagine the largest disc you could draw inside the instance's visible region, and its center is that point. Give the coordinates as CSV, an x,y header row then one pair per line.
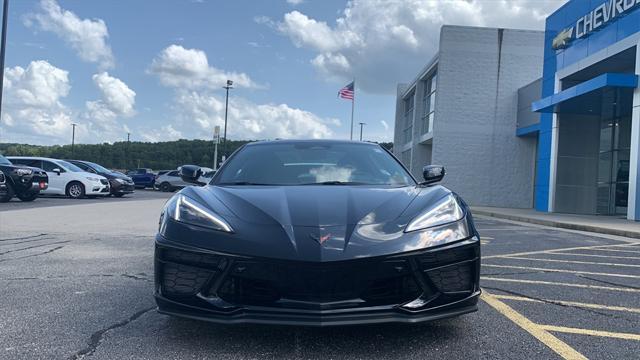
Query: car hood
x,y
315,205
311,223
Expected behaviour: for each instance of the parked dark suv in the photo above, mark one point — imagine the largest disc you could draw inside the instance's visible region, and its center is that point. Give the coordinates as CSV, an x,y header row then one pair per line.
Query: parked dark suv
x,y
142,177
119,183
22,181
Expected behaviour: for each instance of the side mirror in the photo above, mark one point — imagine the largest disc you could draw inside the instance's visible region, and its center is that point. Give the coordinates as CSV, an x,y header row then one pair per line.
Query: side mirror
x,y
432,174
191,174
57,171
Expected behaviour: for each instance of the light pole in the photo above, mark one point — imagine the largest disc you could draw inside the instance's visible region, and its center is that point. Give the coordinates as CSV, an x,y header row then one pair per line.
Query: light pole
x,y
361,126
73,137
126,159
226,110
3,47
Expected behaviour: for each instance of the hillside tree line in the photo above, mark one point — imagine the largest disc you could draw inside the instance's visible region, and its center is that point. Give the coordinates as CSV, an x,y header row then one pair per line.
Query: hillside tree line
x,y
128,155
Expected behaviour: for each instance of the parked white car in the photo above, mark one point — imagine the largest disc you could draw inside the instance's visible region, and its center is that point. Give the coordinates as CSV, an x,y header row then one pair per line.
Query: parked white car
x,y
66,178
171,180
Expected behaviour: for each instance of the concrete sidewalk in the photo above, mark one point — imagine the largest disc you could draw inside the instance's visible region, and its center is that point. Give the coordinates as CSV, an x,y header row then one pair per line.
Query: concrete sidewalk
x,y
610,225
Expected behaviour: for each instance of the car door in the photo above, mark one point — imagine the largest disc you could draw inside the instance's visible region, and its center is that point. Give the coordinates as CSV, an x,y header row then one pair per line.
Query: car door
x,y
175,179
57,182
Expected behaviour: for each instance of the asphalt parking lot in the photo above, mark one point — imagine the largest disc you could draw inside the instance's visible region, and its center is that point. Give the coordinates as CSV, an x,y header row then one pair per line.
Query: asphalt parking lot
x,y
76,280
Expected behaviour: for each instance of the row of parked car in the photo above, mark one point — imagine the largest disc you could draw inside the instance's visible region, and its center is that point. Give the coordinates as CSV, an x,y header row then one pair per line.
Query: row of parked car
x,y
27,177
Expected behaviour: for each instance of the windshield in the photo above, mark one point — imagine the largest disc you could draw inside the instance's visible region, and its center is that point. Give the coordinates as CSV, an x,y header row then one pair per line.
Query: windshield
x,y
309,163
98,168
4,161
69,166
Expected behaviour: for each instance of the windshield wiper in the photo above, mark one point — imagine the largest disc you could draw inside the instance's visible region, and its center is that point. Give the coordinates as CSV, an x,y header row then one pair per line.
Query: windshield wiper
x,y
241,183
336,182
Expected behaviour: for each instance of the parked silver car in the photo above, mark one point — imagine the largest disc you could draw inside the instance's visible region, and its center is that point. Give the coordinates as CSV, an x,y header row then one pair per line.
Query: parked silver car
x,y
171,181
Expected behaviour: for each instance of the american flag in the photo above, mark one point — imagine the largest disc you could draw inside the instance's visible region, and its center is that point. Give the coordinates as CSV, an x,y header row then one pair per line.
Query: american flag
x,y
347,92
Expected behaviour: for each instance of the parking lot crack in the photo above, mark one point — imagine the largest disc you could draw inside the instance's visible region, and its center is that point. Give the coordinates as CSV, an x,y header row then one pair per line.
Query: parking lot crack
x,y
96,338
24,237
135,277
32,255
34,246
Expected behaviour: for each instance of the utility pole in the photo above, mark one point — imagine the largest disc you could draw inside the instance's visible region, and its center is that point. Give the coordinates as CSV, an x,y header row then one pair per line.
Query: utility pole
x,y
361,125
127,155
3,47
216,140
73,137
226,110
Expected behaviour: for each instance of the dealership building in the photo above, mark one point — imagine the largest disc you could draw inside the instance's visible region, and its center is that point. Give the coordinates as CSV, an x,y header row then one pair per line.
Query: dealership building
x,y
549,120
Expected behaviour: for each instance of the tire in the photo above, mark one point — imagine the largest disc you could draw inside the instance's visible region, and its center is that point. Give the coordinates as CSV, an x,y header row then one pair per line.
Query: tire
x,y
118,195
7,197
27,198
75,190
165,187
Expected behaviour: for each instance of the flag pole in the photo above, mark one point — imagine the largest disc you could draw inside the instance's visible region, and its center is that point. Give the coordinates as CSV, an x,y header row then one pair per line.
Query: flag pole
x,y
353,101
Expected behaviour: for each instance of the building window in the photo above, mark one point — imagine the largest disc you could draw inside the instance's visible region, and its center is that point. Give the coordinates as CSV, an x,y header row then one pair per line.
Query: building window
x,y
428,104
409,103
405,157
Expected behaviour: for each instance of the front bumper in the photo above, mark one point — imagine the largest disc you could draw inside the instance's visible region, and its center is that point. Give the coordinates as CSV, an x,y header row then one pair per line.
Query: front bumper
x,y
98,189
118,188
404,288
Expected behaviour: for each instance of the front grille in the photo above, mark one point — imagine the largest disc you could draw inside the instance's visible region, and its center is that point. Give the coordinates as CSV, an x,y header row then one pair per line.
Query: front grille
x,y
183,280
306,284
453,278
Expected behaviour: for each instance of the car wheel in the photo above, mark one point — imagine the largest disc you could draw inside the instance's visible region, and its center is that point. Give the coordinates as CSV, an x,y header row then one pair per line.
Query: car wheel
x,y
27,198
118,195
165,187
8,195
75,190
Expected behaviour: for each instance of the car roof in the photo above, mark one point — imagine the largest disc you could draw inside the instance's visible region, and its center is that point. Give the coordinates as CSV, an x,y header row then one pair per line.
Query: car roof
x,y
33,157
311,141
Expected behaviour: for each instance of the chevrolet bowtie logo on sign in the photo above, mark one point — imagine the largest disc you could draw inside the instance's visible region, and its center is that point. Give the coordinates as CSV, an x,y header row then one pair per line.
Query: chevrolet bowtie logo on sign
x,y
563,39
594,20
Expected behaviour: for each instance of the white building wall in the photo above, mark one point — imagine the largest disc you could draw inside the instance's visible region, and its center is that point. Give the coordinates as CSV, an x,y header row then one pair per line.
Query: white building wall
x,y
479,73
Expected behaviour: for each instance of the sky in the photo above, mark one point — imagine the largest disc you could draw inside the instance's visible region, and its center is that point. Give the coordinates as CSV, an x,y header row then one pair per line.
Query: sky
x,y
155,69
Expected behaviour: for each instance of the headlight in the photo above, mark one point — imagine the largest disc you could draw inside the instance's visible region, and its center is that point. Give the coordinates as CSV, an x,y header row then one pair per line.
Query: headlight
x,y
188,211
446,210
120,181
22,172
93,179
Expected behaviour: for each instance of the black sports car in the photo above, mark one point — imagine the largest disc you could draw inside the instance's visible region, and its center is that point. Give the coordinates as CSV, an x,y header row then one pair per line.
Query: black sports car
x,y
316,233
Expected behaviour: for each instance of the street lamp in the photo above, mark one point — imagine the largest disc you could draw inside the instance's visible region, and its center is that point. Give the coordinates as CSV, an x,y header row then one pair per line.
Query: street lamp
x,y
361,125
73,137
226,110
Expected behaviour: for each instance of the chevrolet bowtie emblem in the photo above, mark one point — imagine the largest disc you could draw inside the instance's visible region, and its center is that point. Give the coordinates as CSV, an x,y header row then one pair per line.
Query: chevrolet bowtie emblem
x,y
563,39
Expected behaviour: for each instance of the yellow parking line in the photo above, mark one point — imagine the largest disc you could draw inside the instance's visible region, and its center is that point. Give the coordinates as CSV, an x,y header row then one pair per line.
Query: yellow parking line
x,y
569,303
562,329
594,247
572,261
599,256
582,286
561,271
555,344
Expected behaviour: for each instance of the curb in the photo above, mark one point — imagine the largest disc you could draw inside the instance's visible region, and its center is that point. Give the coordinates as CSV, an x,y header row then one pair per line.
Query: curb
x,y
559,224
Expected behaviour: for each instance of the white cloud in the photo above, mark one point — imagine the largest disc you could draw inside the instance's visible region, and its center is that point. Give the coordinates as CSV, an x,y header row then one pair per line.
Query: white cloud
x,y
381,43
176,66
101,116
165,133
198,109
33,110
88,37
198,113
295,2
385,125
116,95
